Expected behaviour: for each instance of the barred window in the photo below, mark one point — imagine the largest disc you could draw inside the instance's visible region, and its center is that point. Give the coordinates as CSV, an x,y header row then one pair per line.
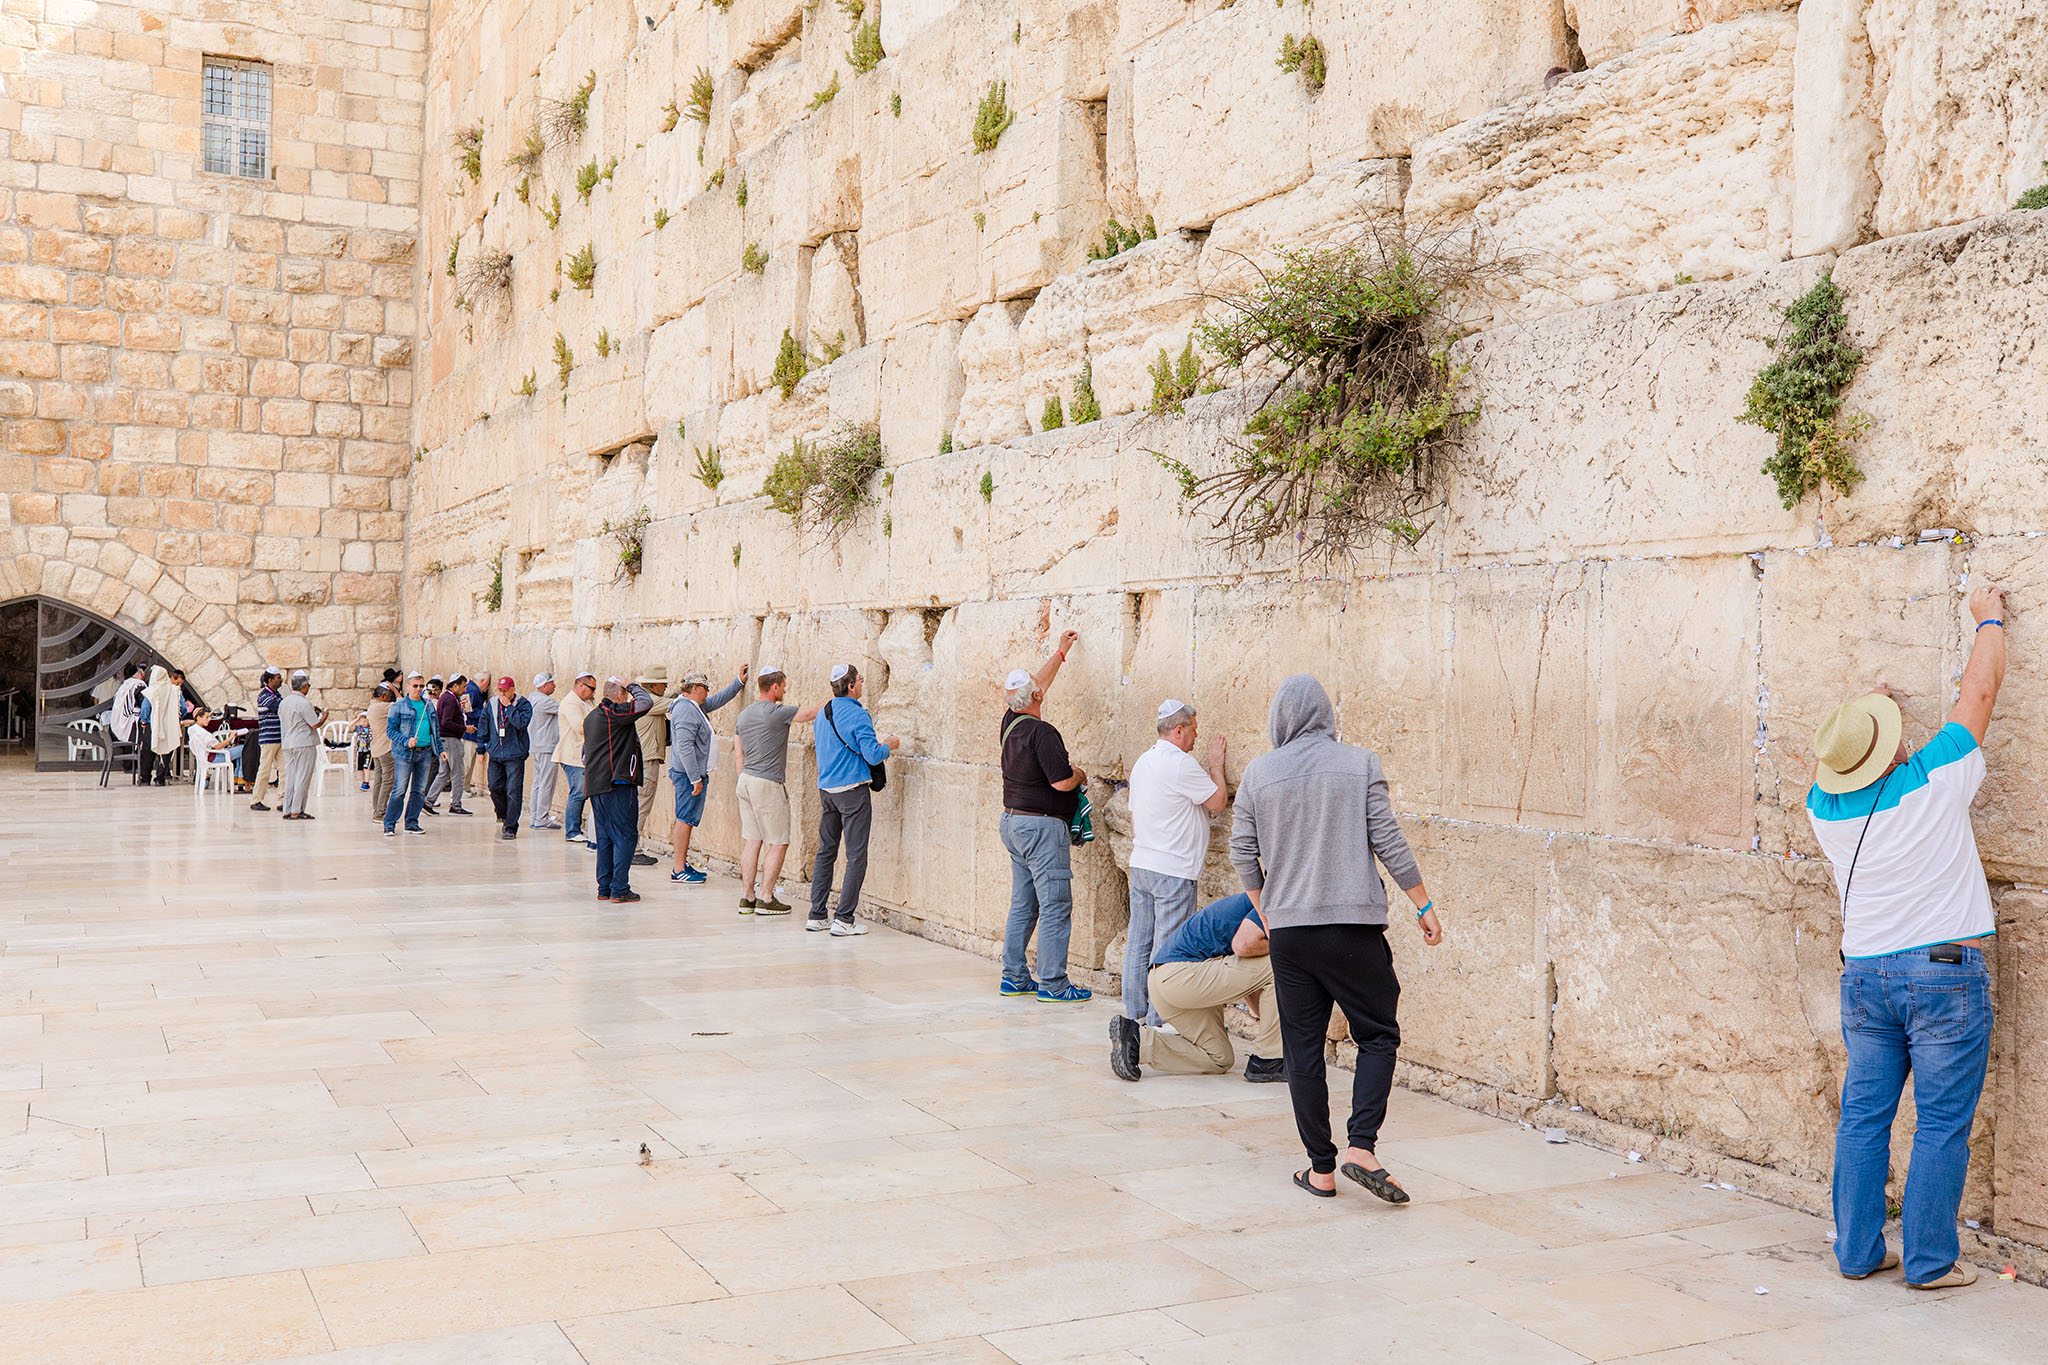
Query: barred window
x,y
235,113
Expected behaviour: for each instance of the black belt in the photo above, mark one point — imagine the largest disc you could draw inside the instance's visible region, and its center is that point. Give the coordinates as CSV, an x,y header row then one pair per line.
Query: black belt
x,y
1034,814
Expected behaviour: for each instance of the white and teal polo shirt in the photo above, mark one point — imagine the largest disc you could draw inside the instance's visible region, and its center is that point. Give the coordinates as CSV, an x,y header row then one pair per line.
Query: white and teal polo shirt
x,y
1918,879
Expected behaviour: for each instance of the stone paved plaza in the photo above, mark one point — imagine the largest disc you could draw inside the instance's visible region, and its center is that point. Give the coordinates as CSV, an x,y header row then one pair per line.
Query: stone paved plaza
x,y
284,1091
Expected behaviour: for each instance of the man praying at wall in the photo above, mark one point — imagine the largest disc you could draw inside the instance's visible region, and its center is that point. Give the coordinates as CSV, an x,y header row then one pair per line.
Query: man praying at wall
x,y
761,752
1039,785
543,734
611,774
690,744
1172,798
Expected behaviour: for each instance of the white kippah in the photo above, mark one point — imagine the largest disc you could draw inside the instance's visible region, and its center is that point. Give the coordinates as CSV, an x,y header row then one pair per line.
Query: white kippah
x,y
1170,706
1018,679
586,673
768,671
839,671
616,679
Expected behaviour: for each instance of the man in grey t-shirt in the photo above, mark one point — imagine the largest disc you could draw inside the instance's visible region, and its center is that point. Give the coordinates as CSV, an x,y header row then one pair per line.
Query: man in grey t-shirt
x,y
761,743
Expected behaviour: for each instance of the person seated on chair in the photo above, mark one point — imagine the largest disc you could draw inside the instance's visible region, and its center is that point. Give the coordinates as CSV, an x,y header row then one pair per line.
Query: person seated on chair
x,y
210,744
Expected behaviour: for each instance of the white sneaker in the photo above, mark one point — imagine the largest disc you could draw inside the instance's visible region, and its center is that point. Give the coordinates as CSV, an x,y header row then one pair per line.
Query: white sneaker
x,y
848,928
817,926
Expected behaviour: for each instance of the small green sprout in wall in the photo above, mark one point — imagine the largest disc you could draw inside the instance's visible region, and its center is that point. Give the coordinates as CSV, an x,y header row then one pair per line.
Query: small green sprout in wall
x,y
832,349
1017,33
945,443
866,53
435,566
454,250
751,260
824,97
988,486
565,361
523,188
494,595
604,343
555,294
630,538
992,116
716,179
610,166
791,365
710,469
586,179
1051,419
469,152
1173,383
553,212
1681,278
1118,238
525,389
583,268
671,113
1305,55
896,103
418,453
702,91
2035,198
889,479
735,554
888,526
660,219
1798,397
739,194
980,220
530,152
1084,408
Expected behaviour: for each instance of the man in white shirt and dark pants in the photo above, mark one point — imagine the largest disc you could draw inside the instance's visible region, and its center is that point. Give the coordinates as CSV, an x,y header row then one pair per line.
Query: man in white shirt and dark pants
x,y
1916,993
1172,799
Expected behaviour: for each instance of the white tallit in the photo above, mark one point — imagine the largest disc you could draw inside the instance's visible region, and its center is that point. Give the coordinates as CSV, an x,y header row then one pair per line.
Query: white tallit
x,y
127,708
164,734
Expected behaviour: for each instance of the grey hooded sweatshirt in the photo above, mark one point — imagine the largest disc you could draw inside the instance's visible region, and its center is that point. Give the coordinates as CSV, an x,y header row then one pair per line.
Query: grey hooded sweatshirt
x,y
1311,816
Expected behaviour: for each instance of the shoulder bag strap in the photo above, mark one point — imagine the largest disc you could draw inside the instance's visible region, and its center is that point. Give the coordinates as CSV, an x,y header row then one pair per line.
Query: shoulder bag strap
x,y
1850,879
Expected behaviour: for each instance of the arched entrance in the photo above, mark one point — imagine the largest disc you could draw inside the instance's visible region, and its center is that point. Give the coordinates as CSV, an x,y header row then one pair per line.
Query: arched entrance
x,y
59,667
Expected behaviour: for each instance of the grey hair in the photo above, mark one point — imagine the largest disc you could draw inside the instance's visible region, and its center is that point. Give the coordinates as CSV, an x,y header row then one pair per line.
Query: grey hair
x,y
1020,697
1176,720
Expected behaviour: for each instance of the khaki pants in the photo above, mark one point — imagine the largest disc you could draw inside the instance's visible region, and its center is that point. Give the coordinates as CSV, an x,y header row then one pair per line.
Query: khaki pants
x,y
650,783
1191,996
381,769
268,772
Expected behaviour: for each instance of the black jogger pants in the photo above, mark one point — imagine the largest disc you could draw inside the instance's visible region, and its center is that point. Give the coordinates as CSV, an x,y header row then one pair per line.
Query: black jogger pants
x,y
1351,966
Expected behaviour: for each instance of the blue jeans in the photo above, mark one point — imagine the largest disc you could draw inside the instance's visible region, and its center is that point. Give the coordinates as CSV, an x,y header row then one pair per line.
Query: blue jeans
x,y
618,834
1041,895
1159,905
410,771
572,814
1905,1014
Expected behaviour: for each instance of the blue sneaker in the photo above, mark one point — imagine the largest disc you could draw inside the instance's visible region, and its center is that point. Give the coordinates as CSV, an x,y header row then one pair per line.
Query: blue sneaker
x,y
590,844
688,874
1069,994
1025,987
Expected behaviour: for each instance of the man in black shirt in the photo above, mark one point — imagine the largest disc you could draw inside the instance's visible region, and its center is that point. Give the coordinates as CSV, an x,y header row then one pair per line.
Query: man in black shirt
x,y
1038,800
612,764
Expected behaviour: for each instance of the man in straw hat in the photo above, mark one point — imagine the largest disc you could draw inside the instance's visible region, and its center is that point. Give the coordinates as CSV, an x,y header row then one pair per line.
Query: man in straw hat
x,y
1916,919
653,731
689,762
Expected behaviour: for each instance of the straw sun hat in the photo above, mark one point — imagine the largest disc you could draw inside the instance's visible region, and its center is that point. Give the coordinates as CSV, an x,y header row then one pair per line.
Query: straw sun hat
x,y
1856,743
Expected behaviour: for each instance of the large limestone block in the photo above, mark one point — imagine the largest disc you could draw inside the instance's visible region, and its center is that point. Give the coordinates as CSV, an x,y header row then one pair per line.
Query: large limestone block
x,y
1159,648
832,313
1041,197
2019,1085
2011,811
1678,709
746,317
1674,159
1956,392
1478,1004
1387,658
1215,123
1612,430
992,396
978,643
1835,624
680,376
1523,717
1332,205
1162,541
1399,73
1697,996
1835,139
1053,513
1608,28
775,97
942,527
1119,314
921,387
1248,638
1962,104
919,251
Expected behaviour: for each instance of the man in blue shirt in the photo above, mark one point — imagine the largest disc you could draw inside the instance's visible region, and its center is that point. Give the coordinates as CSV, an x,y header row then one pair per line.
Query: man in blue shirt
x,y
844,738
1221,955
269,736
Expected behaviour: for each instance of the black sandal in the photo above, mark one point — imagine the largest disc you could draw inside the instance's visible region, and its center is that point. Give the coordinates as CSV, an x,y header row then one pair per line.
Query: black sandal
x,y
1301,1179
1377,1181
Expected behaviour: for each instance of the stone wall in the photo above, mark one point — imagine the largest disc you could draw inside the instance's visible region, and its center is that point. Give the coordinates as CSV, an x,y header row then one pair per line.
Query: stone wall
x,y
206,381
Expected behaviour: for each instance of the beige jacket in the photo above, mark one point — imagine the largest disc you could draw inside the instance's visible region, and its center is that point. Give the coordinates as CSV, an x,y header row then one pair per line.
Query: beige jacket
x,y
569,749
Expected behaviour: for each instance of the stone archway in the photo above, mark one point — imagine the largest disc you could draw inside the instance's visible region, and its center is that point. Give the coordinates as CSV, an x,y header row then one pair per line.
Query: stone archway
x,y
59,668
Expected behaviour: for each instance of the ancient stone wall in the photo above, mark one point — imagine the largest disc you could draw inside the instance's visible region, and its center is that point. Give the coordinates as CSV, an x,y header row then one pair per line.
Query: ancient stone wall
x,y
206,380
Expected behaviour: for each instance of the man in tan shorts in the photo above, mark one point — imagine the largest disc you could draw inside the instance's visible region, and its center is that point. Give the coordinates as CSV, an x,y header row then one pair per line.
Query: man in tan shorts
x,y
761,749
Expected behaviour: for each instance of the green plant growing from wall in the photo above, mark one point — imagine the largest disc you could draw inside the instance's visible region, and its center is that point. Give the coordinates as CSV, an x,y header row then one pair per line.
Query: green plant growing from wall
x,y
1306,56
555,294
888,526
629,542
866,53
670,114
735,554
1084,409
1118,238
565,361
2035,198
1052,418
583,268
660,219
610,166
791,478
553,212
523,188
1353,441
484,278
703,90
751,260
853,10
710,470
739,193
988,486
980,220
791,365
1798,398
561,123
469,152
494,595
945,443
992,116
848,461
435,566
526,386
604,343
454,250
586,179
832,349
714,180
824,97
531,150
896,103
1174,382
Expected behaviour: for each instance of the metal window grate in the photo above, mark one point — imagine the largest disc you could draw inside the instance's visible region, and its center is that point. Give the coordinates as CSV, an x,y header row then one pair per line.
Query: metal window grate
x,y
235,133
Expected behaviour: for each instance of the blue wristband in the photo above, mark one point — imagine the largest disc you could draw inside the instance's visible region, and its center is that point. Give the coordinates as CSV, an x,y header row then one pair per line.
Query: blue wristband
x,y
1427,907
1993,622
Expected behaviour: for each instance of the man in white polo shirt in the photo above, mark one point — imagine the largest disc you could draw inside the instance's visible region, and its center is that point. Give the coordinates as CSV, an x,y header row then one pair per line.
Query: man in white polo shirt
x,y
1916,918
1172,799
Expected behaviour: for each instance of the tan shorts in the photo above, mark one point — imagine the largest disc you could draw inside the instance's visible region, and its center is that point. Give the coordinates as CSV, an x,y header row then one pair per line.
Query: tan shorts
x,y
764,810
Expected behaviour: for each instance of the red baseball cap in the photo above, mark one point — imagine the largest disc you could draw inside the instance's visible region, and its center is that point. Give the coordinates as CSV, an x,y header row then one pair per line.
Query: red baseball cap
x,y
506,684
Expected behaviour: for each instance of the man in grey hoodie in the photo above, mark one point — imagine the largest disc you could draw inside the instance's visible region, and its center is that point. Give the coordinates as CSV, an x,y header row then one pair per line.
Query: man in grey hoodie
x,y
1312,815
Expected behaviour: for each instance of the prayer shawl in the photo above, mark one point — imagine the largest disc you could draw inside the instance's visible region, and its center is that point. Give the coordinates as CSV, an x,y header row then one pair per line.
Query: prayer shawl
x,y
165,734
127,709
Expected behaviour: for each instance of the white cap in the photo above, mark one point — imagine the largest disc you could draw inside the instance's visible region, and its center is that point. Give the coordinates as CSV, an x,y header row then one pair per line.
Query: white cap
x,y
586,673
1018,679
767,671
839,671
1169,706
615,678
541,678
411,676
300,675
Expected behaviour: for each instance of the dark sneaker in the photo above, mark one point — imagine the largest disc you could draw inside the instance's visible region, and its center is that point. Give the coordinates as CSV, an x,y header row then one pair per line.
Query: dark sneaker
x,y
688,874
504,834
1016,988
1069,994
625,897
391,834
768,908
746,905
414,829
604,895
457,810
1264,1070
1123,1047
253,805
644,860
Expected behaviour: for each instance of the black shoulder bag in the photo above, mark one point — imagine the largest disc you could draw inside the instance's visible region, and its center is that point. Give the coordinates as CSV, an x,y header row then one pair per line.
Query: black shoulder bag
x,y
878,776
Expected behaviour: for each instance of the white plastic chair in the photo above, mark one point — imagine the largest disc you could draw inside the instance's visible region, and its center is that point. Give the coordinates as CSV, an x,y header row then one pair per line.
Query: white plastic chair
x,y
333,760
207,765
85,740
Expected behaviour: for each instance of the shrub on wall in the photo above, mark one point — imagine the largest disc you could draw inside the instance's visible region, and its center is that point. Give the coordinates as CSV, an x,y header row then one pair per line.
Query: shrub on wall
x,y
822,486
992,116
494,595
702,91
583,268
866,53
1798,397
791,365
561,123
484,278
469,152
1305,55
2035,198
629,540
1084,408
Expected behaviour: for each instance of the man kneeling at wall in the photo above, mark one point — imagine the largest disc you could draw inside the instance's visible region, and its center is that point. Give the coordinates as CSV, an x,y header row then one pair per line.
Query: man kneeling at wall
x,y
1218,956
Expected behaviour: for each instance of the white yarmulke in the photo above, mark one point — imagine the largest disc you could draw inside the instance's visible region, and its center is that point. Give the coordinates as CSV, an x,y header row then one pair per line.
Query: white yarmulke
x,y
839,671
586,673
1170,706
1018,679
768,671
